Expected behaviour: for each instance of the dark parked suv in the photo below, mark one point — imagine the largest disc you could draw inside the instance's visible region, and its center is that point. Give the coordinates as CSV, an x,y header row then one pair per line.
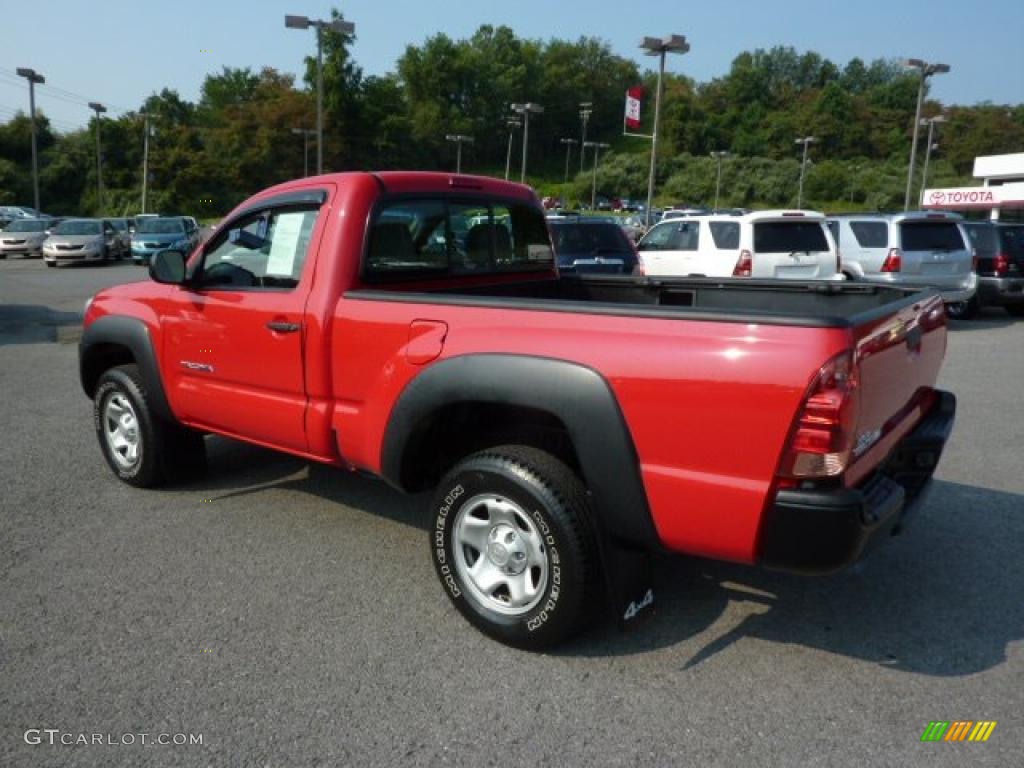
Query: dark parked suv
x,y
1000,252
592,246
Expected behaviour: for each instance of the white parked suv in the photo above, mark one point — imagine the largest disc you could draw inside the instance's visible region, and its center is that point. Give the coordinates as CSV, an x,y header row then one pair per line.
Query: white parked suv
x,y
793,245
916,249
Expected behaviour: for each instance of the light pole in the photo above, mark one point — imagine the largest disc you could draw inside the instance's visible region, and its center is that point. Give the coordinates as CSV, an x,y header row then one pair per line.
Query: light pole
x,y
33,77
806,141
718,155
569,144
346,28
586,110
459,140
659,46
526,110
305,133
145,159
931,121
99,109
512,123
926,70
598,146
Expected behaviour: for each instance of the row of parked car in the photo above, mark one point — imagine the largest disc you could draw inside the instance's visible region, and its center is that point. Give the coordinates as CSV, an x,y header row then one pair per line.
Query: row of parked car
x,y
971,263
77,240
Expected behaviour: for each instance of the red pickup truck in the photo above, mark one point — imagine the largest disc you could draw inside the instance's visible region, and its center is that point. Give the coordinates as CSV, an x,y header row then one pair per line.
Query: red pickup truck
x,y
414,326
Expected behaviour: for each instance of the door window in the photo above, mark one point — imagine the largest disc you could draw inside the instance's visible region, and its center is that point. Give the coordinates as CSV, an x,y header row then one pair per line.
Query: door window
x,y
267,250
870,234
672,236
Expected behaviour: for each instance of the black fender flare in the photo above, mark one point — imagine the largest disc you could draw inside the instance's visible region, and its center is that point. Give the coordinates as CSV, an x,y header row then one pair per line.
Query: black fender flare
x,y
132,334
577,395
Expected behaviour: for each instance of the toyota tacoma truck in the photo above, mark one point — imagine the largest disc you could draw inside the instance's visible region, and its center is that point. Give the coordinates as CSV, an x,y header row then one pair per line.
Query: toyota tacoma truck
x,y
414,327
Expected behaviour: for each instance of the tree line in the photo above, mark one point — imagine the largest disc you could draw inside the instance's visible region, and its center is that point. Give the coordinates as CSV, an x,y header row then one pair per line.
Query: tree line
x,y
237,138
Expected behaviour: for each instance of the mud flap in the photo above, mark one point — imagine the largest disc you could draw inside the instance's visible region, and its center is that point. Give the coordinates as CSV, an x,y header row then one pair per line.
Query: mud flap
x,y
629,582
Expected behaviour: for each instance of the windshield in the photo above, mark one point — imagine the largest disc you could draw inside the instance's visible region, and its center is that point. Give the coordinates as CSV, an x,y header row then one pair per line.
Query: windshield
x,y
160,227
588,238
121,225
789,237
80,227
931,236
29,225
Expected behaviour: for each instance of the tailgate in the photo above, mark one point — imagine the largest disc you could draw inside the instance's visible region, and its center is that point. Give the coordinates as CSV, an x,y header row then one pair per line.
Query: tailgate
x,y
899,360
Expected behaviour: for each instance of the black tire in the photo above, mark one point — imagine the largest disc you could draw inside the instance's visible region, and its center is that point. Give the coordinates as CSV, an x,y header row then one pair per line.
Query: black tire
x,y
555,505
166,452
51,264
962,310
1014,310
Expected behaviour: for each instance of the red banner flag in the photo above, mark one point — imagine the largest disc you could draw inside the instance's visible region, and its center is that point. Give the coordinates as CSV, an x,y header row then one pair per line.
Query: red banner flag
x,y
633,98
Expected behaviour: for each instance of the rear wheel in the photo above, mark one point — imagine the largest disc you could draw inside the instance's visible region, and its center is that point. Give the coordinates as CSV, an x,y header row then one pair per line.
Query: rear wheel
x,y
512,546
140,448
1015,310
51,264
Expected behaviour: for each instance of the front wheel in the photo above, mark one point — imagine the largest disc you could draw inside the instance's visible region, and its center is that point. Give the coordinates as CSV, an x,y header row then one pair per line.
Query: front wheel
x,y
513,548
140,448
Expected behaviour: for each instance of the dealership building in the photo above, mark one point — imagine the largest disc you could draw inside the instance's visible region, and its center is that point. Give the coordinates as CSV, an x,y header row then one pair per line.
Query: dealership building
x,y
1000,195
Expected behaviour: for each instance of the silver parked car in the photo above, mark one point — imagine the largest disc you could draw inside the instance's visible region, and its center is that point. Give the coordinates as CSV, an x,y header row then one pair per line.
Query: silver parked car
x,y
915,249
24,238
81,240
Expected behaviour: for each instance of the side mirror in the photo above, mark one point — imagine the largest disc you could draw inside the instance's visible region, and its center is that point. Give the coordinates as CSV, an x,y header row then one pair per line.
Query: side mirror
x,y
167,267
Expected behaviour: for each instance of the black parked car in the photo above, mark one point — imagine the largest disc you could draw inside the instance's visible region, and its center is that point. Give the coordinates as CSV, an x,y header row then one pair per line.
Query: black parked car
x,y
592,246
1000,252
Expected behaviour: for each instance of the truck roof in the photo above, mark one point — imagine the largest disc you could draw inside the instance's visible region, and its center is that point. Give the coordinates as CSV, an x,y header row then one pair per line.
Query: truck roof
x,y
404,182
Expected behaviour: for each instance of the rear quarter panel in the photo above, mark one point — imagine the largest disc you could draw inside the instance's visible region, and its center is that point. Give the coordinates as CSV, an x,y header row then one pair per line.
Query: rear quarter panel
x,y
708,404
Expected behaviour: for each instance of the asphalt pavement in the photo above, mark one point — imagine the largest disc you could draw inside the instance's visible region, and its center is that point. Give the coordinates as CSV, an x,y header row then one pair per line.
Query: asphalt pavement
x,y
289,615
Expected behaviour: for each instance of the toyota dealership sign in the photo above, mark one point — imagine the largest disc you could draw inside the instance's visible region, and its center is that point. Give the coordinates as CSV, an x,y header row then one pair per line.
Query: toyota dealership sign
x,y
956,198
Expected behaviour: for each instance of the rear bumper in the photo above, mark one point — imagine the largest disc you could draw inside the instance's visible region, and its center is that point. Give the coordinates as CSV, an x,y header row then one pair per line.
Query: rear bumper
x,y
1000,291
952,289
819,531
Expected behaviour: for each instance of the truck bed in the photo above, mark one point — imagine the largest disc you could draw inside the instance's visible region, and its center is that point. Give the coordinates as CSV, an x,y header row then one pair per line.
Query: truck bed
x,y
815,304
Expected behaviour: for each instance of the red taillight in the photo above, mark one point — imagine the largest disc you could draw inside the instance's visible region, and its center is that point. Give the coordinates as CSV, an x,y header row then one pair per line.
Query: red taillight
x,y
1001,264
744,265
974,259
893,261
640,269
824,434
839,261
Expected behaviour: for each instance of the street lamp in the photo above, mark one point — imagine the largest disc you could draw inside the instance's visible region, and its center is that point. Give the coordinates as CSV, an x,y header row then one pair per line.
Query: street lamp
x,y
586,110
459,140
598,146
930,122
718,155
526,110
659,46
146,135
305,133
99,109
569,144
926,70
512,123
346,28
806,141
33,77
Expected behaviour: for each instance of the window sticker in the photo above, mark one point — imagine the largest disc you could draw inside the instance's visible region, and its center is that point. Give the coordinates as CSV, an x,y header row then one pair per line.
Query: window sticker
x,y
287,228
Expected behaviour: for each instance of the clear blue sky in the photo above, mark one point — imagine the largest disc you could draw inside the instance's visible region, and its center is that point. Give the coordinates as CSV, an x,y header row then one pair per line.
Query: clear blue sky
x,y
118,52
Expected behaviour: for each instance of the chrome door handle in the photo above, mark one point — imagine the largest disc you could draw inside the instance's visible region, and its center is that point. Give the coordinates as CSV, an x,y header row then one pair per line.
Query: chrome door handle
x,y
278,326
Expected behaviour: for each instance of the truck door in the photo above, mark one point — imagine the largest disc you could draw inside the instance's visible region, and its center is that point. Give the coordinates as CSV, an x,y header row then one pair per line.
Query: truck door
x,y
233,341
